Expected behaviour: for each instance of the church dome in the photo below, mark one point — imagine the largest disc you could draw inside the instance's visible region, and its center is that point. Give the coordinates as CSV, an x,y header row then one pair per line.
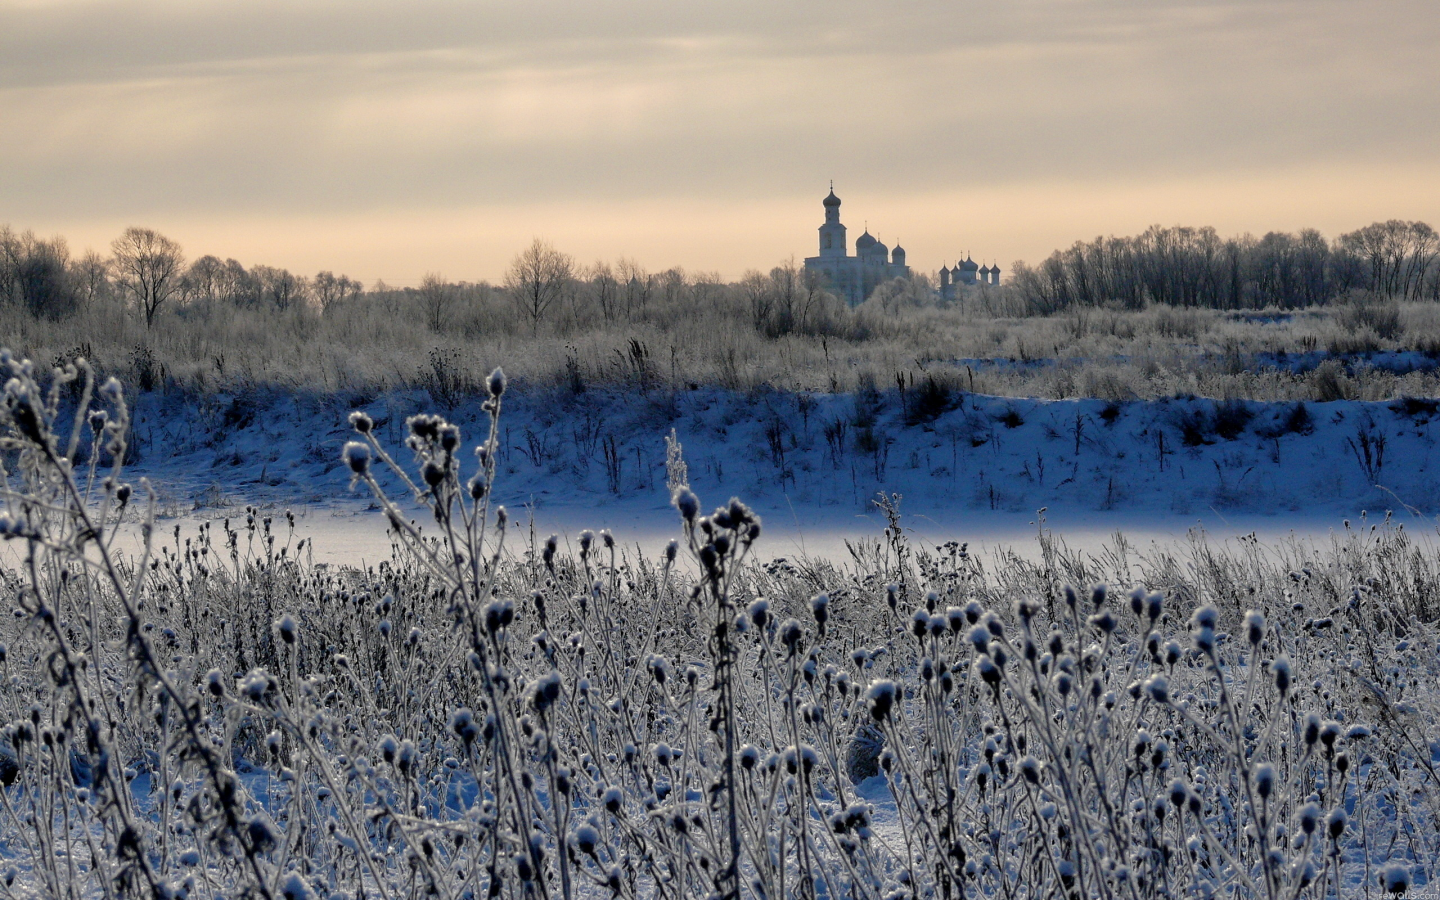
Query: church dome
x,y
968,265
880,249
984,270
832,200
898,255
864,242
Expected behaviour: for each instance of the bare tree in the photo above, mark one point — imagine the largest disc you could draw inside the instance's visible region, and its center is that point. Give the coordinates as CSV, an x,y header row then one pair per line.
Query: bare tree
x,y
604,288
536,279
92,277
148,267
638,285
759,293
9,265
44,277
1424,245
237,286
280,287
812,299
330,289
204,280
436,299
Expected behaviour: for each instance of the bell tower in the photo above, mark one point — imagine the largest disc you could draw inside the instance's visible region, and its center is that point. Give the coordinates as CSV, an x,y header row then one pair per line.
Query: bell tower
x,y
832,233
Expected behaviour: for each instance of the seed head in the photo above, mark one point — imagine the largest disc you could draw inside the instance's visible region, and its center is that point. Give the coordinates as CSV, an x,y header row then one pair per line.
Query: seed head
x,y
1281,668
1395,877
1137,601
1329,733
1264,780
1030,769
1206,617
1254,627
790,635
287,628
989,672
759,611
463,724
686,502
545,691
586,838
882,699
1158,688
820,608
496,383
659,668
980,638
357,456
1179,793
1335,823
1154,606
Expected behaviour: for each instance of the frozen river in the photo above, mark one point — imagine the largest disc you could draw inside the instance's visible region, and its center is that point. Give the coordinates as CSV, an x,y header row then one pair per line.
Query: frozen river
x,y
353,536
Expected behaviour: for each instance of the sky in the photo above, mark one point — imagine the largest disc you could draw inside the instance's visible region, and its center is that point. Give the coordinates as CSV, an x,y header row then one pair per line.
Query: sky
x,y
388,140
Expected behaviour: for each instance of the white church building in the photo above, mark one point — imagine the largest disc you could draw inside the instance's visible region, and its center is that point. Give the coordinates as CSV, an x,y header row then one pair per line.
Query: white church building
x,y
852,278
966,274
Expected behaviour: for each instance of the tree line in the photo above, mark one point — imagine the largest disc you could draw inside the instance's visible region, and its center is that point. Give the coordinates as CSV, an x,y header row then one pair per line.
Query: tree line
x,y
1184,266
543,287
148,271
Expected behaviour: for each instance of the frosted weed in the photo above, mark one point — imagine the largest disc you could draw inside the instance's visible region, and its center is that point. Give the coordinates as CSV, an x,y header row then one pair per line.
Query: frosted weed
x,y
215,717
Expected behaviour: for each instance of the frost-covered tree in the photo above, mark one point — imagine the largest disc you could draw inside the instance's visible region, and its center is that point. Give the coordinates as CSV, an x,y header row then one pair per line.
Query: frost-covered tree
x,y
148,267
436,299
536,279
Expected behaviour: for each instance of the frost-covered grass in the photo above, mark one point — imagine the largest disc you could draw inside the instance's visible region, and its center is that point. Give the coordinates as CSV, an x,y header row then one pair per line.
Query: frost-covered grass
x,y
702,332
486,716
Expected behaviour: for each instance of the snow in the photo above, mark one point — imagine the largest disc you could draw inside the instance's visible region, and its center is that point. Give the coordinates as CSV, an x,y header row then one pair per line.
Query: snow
x,y
811,465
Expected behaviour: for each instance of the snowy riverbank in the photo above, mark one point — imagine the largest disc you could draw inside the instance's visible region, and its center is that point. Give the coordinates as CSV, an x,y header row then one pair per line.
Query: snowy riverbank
x,y
968,467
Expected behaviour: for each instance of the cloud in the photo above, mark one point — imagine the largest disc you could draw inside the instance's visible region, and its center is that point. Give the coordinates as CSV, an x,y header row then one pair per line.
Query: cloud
x,y
176,111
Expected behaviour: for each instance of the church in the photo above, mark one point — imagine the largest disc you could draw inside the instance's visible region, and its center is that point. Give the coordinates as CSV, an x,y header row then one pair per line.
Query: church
x,y
966,274
853,278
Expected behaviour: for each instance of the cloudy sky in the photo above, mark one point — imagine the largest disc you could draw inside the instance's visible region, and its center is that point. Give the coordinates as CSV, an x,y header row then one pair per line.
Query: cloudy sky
x,y
388,140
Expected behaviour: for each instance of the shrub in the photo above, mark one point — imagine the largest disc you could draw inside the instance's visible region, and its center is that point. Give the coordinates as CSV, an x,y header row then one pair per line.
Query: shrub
x,y
929,401
1328,382
1415,407
1196,426
1294,420
1368,312
1231,417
